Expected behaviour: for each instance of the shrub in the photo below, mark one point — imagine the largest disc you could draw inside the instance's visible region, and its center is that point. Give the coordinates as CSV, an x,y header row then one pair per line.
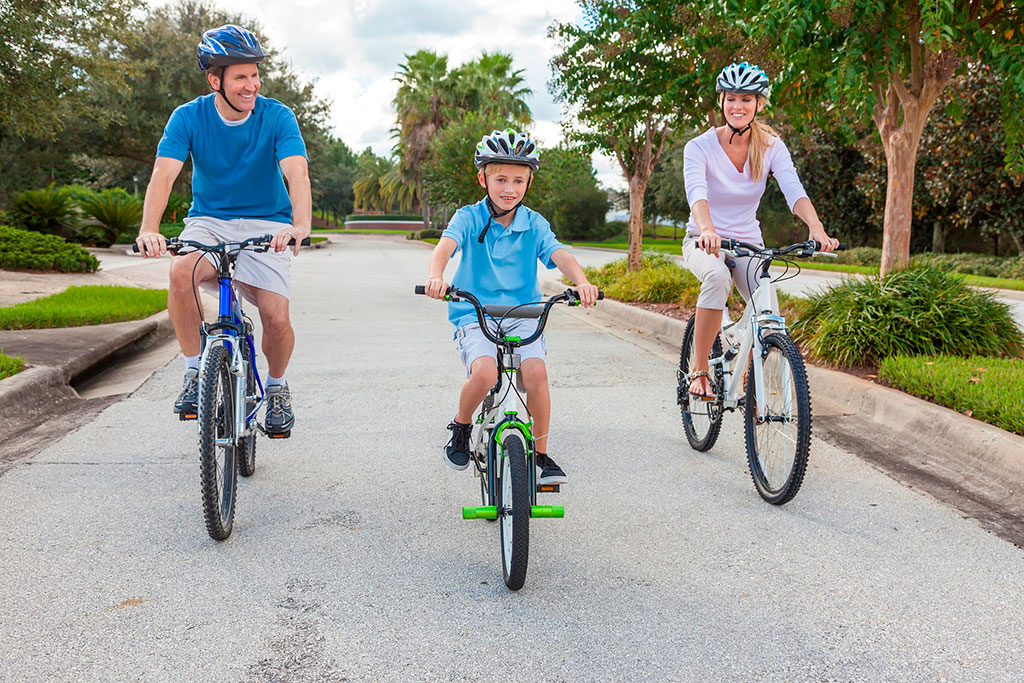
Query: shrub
x,y
919,311
49,210
114,211
1014,268
992,389
659,280
177,208
425,233
860,256
25,249
382,217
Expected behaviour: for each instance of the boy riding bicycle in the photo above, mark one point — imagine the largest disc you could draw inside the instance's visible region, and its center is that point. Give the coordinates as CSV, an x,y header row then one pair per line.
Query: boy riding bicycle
x,y
240,144
501,241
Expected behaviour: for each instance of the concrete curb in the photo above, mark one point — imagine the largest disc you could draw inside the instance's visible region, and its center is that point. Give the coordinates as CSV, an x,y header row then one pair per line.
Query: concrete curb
x,y
988,450
48,380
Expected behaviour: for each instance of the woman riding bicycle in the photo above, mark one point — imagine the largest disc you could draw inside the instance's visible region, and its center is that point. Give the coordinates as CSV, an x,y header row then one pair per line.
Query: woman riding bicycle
x,y
725,171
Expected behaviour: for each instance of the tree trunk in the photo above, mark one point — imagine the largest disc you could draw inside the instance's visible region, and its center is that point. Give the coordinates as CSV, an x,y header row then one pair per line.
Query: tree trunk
x,y
637,187
938,238
900,156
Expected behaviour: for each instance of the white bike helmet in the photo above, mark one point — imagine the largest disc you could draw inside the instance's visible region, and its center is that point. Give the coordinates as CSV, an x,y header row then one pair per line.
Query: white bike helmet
x,y
743,78
506,147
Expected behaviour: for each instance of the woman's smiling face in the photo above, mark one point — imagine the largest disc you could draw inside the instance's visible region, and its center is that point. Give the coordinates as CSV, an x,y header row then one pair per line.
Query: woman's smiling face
x,y
740,108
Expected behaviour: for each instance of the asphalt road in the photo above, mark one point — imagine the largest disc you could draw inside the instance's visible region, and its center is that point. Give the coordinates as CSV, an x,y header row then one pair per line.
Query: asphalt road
x,y
350,560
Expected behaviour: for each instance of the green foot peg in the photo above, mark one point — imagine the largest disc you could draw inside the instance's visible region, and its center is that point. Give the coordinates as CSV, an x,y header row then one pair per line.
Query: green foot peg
x,y
487,512
547,511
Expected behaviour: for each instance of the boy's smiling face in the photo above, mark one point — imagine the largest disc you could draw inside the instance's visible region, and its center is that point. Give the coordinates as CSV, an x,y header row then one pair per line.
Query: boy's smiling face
x,y
505,183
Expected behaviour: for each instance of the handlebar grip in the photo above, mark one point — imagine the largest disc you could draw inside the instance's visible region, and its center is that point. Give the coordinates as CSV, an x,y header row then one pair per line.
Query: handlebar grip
x,y
420,289
600,295
304,243
730,244
841,247
135,247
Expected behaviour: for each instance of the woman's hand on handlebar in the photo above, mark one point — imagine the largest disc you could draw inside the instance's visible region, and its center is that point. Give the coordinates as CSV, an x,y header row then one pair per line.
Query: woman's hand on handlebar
x,y
436,287
151,244
710,241
588,294
819,235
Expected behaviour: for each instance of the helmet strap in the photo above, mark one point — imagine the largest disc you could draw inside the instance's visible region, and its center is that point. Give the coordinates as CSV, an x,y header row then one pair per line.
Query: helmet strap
x,y
222,93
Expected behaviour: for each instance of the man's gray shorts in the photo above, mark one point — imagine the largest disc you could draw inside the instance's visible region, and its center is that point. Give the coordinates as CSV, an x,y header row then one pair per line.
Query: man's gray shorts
x,y
473,344
270,270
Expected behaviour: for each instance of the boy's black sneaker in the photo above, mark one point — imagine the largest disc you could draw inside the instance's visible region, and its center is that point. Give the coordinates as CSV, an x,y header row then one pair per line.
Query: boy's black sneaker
x,y
186,405
280,417
456,453
550,473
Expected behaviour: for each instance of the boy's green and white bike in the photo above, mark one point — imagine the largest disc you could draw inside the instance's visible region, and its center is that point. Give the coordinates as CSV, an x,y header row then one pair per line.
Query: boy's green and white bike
x,y
503,442
776,400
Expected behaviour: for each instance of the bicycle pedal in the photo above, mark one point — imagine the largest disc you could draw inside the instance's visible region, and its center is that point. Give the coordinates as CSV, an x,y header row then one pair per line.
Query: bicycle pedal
x,y
182,417
548,488
279,435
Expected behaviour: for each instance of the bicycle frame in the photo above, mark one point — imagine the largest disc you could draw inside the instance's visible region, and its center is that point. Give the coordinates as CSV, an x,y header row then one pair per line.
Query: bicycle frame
x,y
228,330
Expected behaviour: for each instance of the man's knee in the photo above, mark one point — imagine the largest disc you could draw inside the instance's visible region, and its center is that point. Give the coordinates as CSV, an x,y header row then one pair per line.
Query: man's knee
x,y
183,270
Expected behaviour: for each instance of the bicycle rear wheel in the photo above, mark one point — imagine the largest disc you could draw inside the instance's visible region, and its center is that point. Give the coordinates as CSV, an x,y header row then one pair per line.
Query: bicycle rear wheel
x,y
778,425
247,450
702,420
217,453
514,512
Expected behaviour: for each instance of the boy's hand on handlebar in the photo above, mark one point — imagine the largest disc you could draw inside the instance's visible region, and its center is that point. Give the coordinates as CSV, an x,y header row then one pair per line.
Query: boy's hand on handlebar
x,y
436,287
710,241
151,244
588,294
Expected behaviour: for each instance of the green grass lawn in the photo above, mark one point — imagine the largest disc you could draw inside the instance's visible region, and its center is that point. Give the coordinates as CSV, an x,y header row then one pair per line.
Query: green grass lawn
x,y
989,389
665,247
84,305
367,231
10,365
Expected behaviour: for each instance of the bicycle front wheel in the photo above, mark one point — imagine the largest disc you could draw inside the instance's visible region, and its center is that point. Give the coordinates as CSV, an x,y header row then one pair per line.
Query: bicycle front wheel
x,y
702,420
778,424
217,449
514,512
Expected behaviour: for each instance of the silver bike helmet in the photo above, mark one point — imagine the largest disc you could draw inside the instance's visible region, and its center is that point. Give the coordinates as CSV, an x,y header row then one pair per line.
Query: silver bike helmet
x,y
743,78
506,147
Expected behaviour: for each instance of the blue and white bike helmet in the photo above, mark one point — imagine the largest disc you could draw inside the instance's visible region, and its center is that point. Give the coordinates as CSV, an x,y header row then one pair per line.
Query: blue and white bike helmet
x,y
743,78
506,147
228,44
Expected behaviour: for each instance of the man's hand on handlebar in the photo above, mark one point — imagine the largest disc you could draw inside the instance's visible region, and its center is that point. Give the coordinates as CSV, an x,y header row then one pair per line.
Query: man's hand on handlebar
x,y
151,244
288,234
436,287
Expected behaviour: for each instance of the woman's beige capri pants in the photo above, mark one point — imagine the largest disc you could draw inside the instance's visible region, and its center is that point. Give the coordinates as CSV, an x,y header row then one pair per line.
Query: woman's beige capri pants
x,y
716,278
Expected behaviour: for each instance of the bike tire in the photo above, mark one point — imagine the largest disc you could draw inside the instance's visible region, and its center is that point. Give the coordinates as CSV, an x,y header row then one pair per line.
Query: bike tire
x,y
514,512
217,466
247,450
777,430
702,420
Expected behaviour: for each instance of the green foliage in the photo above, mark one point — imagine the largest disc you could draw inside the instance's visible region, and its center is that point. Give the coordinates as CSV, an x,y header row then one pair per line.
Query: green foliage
x,y
449,176
565,192
920,311
49,210
30,250
177,208
659,280
51,54
989,389
357,217
84,305
10,365
115,212
425,234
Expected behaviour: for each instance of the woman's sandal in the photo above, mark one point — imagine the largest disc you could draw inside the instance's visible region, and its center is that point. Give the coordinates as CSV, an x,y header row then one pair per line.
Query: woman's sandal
x,y
701,396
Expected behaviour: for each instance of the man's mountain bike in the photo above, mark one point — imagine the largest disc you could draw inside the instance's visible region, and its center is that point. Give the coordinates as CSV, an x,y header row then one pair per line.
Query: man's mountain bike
x,y
230,389
776,399
503,441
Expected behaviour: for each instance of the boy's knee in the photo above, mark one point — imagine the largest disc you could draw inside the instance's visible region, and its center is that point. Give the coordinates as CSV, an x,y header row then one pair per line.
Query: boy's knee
x,y
534,372
484,370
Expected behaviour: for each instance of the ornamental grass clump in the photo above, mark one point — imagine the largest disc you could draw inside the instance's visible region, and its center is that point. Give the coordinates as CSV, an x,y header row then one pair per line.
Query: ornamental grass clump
x,y
919,311
113,212
659,280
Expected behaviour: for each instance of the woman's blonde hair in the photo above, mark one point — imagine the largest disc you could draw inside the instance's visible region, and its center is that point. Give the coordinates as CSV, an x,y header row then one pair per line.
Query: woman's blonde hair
x,y
761,138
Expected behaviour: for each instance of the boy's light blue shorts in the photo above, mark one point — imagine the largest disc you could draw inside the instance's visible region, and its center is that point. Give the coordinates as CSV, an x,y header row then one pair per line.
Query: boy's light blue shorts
x,y
473,344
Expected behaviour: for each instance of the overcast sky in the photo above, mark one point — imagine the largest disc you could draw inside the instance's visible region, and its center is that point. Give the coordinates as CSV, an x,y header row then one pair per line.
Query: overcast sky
x,y
352,49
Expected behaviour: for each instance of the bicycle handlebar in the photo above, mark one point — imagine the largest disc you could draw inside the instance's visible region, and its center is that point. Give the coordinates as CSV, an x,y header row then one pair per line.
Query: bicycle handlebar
x,y
174,245
570,297
809,248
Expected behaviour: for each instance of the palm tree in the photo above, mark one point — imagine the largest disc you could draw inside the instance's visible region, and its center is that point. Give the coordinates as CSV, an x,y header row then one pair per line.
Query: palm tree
x,y
491,88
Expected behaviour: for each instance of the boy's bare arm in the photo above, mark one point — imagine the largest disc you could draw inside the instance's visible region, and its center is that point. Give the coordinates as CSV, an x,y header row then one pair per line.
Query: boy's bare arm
x,y
570,267
436,286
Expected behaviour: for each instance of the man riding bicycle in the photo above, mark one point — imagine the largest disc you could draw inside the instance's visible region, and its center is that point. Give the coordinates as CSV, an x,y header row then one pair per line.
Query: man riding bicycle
x,y
240,143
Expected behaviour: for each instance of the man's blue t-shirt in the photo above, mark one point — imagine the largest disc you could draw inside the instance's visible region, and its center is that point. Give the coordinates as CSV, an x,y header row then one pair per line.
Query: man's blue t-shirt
x,y
236,169
502,271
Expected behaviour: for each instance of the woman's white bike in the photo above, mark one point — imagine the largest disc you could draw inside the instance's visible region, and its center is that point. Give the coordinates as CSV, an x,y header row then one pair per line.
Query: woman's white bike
x,y
771,388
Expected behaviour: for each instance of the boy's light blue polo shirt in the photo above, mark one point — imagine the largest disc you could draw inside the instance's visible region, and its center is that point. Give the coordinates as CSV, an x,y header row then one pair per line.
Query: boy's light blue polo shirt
x,y
236,169
502,271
